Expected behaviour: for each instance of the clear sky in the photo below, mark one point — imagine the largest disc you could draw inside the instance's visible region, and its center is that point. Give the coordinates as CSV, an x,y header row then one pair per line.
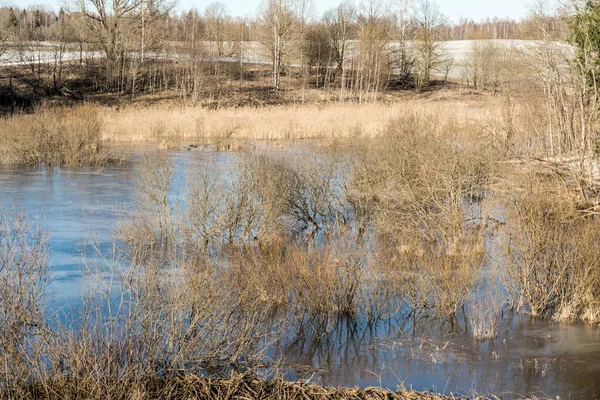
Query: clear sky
x,y
454,9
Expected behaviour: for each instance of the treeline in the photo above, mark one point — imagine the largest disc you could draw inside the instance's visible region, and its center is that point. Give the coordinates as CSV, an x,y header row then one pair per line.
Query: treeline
x,y
36,23
140,46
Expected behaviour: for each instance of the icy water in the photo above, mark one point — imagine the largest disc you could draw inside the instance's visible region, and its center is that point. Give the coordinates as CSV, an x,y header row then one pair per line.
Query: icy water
x,y
81,206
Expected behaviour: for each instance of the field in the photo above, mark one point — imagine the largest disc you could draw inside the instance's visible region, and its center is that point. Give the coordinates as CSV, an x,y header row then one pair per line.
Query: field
x,y
254,53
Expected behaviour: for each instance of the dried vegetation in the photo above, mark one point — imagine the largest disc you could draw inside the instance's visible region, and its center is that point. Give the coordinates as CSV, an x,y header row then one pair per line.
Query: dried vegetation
x,y
55,137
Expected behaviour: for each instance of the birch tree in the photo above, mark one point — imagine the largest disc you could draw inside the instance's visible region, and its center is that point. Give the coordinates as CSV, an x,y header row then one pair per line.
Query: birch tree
x,y
429,50
117,25
339,22
278,21
374,36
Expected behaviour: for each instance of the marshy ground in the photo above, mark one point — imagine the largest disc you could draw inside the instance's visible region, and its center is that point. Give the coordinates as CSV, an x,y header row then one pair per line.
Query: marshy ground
x,y
231,246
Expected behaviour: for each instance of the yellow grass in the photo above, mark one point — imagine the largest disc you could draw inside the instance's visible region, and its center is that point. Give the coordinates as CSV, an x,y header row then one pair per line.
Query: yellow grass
x,y
170,123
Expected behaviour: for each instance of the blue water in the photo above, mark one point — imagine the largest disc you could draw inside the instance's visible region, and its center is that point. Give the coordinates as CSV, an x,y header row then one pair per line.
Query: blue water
x,y
81,208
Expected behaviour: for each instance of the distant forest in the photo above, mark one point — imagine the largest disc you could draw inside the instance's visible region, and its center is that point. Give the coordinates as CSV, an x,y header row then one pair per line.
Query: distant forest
x,y
39,24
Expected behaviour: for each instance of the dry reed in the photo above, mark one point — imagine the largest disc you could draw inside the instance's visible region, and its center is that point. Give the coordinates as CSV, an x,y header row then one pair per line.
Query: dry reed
x,y
55,137
238,386
331,120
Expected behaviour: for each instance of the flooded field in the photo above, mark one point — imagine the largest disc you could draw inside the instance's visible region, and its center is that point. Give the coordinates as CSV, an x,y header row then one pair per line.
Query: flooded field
x,y
83,207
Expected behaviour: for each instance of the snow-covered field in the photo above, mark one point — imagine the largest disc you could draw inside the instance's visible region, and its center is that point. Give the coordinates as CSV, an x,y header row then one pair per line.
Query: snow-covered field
x,y
46,55
254,53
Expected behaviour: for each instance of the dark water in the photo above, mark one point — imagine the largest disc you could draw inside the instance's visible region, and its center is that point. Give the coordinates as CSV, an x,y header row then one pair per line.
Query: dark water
x,y
82,206
527,358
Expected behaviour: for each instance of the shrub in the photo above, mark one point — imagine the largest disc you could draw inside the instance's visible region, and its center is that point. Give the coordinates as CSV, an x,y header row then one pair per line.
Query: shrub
x,y
55,137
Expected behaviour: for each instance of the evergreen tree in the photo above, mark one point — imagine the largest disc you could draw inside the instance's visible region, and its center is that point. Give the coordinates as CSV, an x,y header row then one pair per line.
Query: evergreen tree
x,y
585,36
13,20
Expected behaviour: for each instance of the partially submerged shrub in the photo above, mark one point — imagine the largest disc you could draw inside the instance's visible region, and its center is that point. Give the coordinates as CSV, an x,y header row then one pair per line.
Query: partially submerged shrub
x,y
417,180
552,258
150,229
24,278
260,199
435,279
306,280
484,312
422,192
55,137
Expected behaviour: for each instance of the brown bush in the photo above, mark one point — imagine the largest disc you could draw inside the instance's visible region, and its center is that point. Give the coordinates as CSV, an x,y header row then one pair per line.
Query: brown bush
x,y
416,178
552,257
24,278
55,137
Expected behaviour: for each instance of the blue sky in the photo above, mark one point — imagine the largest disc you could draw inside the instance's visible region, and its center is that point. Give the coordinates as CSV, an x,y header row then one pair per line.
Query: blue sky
x,y
454,9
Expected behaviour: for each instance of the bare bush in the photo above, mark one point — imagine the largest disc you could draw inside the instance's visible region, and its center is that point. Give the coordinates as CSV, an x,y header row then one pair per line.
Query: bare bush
x,y
420,191
552,258
316,193
24,279
437,280
55,137
151,230
416,181
537,262
306,281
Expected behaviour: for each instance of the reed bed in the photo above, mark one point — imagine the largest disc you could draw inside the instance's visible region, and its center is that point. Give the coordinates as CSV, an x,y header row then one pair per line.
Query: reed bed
x,y
55,137
87,134
286,122
323,121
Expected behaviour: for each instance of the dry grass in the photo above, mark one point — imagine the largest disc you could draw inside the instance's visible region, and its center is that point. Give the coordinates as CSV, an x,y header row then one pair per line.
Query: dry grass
x,y
484,313
55,137
333,120
81,135
192,387
302,122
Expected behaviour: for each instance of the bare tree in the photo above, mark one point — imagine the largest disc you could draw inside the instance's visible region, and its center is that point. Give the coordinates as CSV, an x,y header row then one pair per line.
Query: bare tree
x,y
278,21
318,53
340,22
4,31
402,57
216,15
305,14
429,51
117,25
109,21
374,35
486,64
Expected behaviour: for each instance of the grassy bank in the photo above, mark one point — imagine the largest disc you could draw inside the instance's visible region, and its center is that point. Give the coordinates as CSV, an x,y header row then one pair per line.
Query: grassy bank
x,y
192,387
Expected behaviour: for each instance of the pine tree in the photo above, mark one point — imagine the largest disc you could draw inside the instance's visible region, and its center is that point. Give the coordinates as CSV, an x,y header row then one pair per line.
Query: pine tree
x,y
13,20
585,36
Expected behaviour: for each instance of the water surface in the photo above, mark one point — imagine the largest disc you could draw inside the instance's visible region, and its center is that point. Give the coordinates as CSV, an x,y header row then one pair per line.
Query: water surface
x,y
83,206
